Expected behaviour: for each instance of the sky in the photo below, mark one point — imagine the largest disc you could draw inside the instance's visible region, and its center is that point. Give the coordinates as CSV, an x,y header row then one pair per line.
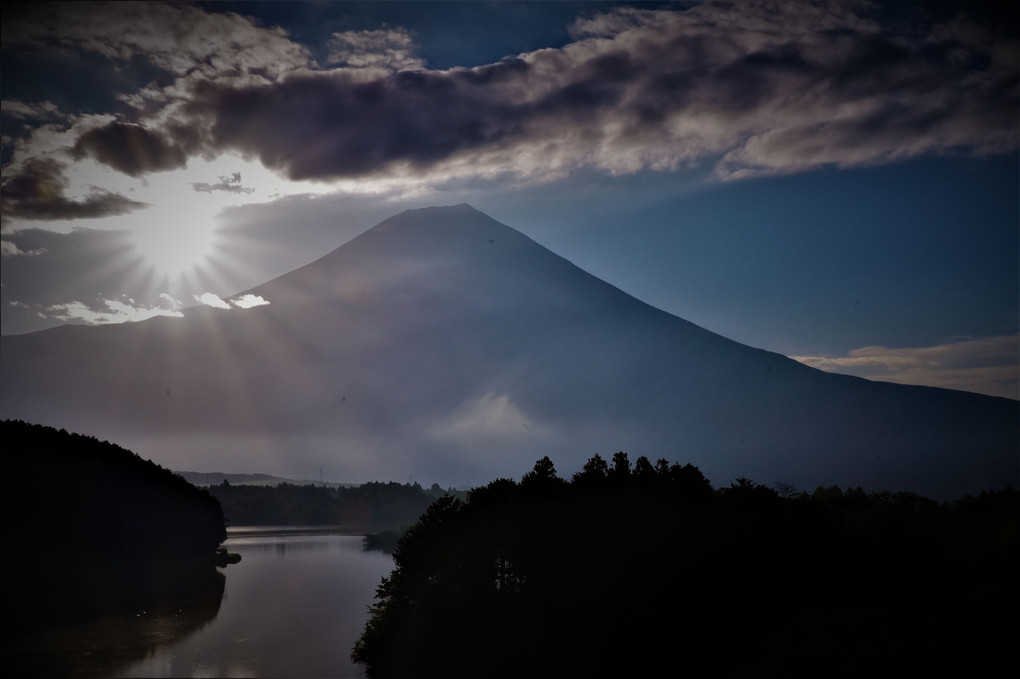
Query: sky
x,y
838,183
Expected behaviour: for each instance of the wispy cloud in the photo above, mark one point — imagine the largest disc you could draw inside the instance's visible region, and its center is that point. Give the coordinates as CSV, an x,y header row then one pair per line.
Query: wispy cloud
x,y
248,301
10,249
213,300
125,309
391,49
230,183
988,365
491,417
194,42
243,302
111,311
42,110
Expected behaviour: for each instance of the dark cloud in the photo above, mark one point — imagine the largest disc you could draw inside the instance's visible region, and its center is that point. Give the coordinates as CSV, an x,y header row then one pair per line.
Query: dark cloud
x,y
131,149
758,91
174,37
334,125
747,88
36,191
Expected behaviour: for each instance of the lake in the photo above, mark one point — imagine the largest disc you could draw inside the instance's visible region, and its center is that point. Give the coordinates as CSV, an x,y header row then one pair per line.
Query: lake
x,y
293,607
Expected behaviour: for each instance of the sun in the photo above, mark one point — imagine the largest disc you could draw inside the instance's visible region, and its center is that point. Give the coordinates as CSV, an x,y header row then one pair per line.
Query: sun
x,y
177,233
176,240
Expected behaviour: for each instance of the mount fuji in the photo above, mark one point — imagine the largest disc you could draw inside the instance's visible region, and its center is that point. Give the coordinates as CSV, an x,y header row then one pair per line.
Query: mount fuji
x,y
444,346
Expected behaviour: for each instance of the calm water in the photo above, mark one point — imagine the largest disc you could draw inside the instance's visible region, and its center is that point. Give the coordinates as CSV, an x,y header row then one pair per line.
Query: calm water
x,y
293,607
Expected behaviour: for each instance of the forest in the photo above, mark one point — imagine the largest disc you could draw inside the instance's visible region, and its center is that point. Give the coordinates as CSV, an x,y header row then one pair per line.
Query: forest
x,y
374,507
93,529
622,569
646,570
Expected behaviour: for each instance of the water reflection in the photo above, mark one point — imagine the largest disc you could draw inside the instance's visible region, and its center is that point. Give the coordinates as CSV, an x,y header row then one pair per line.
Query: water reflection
x,y
105,646
281,547
293,607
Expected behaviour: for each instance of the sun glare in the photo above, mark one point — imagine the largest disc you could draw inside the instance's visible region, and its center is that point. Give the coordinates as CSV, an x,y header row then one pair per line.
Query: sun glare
x,y
177,242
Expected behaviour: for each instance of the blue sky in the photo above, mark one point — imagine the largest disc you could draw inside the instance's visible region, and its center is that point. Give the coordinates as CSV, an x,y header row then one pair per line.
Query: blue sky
x,y
836,183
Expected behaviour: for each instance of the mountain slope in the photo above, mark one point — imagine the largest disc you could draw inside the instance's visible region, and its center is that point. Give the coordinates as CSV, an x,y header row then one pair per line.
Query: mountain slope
x,y
447,346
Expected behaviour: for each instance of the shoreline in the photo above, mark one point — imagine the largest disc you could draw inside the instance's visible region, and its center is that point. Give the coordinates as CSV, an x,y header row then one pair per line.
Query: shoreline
x,y
264,531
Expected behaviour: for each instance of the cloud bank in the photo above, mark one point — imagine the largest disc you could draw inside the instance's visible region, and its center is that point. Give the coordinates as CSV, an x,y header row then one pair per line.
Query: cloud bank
x,y
988,365
748,89
753,89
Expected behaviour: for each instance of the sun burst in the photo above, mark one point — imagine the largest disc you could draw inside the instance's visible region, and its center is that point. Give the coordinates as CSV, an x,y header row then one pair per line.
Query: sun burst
x,y
178,242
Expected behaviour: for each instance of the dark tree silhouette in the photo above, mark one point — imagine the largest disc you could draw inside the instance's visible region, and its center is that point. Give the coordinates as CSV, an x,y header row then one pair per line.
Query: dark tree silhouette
x,y
99,530
644,472
543,472
369,507
621,467
593,472
653,572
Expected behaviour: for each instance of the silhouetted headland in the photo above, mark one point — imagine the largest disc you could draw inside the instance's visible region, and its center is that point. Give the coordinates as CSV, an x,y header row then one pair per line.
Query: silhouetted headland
x,y
95,530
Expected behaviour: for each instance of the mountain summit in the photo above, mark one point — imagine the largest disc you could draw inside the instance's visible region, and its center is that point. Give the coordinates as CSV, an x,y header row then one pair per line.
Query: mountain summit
x,y
445,346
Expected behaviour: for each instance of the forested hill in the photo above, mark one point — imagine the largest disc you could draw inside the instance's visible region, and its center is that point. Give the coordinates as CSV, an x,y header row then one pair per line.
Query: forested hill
x,y
90,496
650,571
92,530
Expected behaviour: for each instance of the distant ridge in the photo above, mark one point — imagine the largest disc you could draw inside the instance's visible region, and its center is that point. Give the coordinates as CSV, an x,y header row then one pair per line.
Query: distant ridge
x,y
216,478
443,346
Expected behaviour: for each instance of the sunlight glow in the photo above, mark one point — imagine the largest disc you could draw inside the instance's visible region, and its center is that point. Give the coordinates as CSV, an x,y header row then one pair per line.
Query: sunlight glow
x,y
174,227
176,249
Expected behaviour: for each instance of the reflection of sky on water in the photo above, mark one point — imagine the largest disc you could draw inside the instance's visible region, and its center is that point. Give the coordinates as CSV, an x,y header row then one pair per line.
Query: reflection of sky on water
x,y
280,543
103,647
293,606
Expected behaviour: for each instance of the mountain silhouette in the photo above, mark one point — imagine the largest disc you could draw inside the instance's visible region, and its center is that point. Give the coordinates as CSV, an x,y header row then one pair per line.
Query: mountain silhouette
x,y
446,346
